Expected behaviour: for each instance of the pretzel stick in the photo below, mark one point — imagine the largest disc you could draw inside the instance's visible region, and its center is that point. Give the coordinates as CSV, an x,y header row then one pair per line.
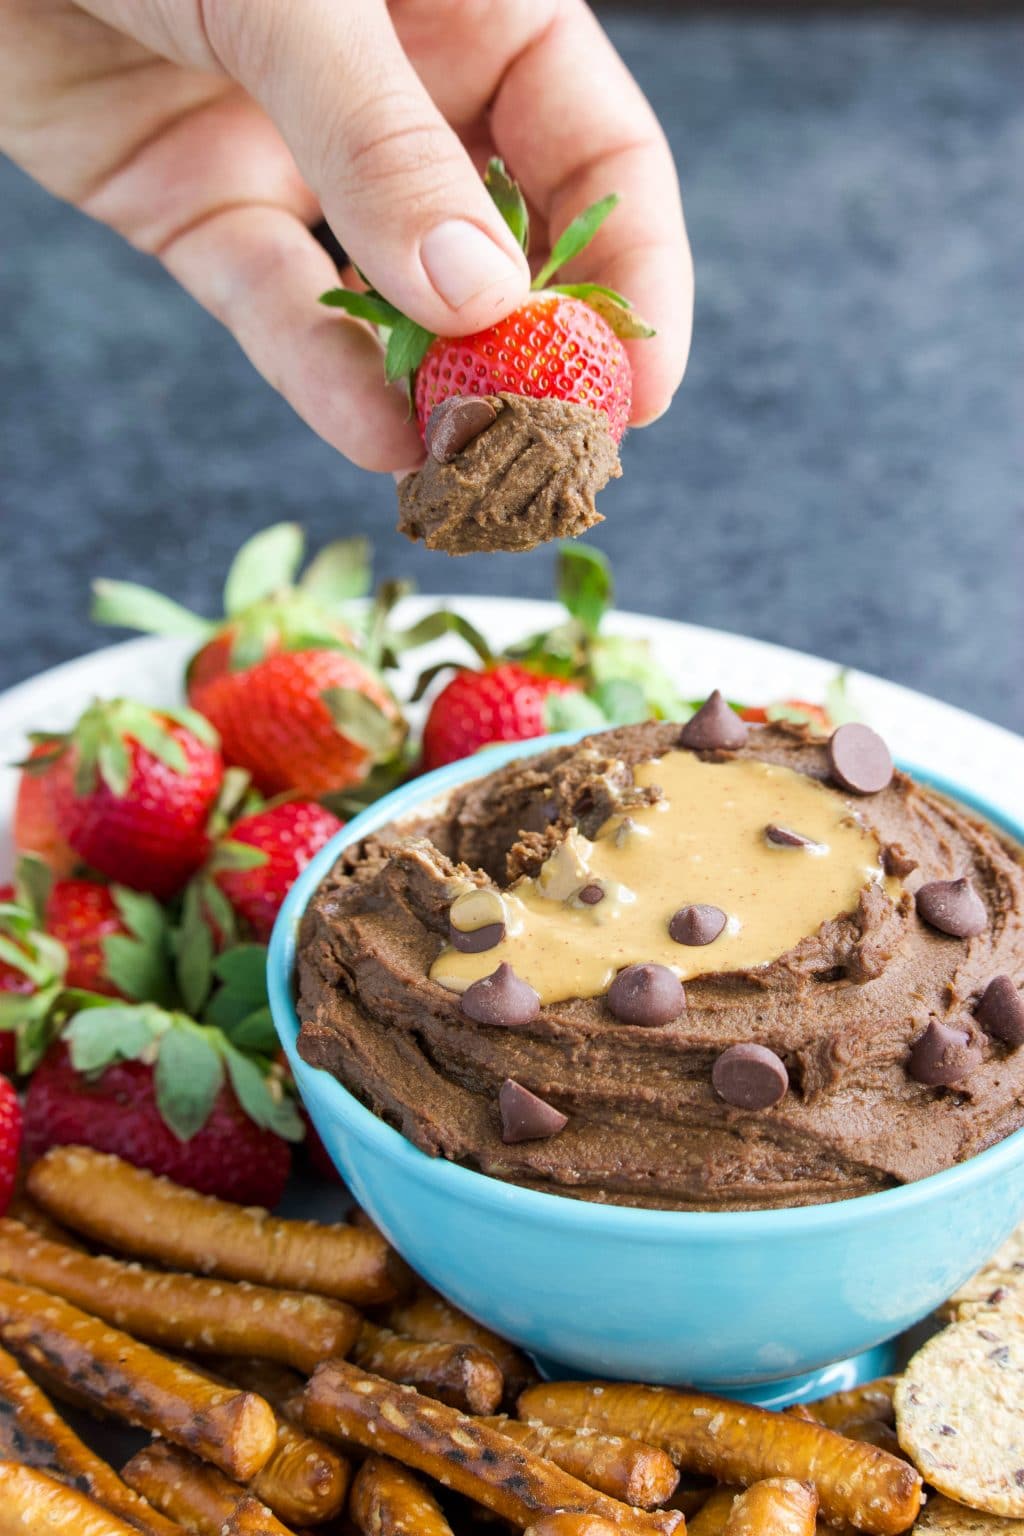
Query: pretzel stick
x,y
873,1400
34,1434
457,1374
183,1311
426,1315
234,1430
388,1500
573,1525
776,1506
127,1208
281,1387
639,1475
35,1218
344,1402
32,1502
874,1432
714,1512
737,1443
197,1496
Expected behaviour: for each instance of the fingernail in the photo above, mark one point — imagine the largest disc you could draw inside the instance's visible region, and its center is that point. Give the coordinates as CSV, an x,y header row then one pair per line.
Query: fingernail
x,y
461,262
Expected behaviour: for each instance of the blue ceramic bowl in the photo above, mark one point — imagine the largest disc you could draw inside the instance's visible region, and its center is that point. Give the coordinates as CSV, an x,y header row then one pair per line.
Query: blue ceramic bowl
x,y
728,1299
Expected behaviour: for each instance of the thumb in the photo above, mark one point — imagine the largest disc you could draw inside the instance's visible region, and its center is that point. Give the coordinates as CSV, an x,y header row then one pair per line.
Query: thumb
x,y
395,183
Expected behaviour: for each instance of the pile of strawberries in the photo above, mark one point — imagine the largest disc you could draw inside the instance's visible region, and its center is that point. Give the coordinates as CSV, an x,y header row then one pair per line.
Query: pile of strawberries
x,y
155,845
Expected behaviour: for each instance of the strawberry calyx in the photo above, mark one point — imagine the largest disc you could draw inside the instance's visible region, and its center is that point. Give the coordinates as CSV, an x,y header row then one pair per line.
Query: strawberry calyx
x,y
100,741
406,342
191,1063
268,605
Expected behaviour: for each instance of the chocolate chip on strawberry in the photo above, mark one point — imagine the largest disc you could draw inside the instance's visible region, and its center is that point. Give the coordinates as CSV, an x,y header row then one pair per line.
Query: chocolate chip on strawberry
x,y
454,423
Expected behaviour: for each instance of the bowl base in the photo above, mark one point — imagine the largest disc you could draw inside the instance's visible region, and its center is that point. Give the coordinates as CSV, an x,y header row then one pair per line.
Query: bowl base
x,y
837,1377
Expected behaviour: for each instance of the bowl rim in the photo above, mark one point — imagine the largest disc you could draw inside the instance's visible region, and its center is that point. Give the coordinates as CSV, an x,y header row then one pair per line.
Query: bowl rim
x,y
469,1185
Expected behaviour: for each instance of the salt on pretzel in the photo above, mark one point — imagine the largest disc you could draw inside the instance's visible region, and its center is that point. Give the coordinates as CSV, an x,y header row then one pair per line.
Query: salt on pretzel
x,y
872,1400
776,1506
458,1374
714,1512
234,1430
133,1211
32,1502
22,1208
389,1500
346,1403
638,1474
425,1315
183,1312
738,1443
197,1496
34,1434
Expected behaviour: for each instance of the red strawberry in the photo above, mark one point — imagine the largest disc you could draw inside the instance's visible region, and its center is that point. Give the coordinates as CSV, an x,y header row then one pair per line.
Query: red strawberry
x,y
563,343
82,914
10,1141
502,703
35,830
132,789
553,346
275,721
289,835
117,1111
790,709
218,657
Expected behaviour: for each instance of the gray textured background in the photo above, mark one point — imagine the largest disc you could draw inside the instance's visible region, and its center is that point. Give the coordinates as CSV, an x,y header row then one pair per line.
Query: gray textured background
x,y
843,470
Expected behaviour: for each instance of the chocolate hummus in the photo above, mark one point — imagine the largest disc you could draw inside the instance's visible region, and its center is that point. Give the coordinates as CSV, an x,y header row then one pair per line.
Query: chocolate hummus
x,y
571,976
529,472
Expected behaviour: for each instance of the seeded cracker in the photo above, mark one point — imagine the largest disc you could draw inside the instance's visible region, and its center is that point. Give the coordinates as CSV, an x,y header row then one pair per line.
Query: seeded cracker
x,y
941,1517
960,1412
1004,1272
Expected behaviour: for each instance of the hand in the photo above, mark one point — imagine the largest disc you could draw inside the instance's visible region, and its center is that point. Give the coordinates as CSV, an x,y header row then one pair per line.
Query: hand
x,y
214,133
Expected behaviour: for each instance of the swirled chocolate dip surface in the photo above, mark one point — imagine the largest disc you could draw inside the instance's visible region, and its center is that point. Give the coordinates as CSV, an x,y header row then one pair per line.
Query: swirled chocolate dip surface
x,y
723,1058
528,474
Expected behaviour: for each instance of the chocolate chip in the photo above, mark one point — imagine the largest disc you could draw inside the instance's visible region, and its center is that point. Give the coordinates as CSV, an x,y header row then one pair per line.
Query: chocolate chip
x,y
1001,1011
697,925
953,907
501,998
785,837
454,423
896,861
714,726
859,759
750,1076
525,1117
478,941
647,995
942,1056
591,895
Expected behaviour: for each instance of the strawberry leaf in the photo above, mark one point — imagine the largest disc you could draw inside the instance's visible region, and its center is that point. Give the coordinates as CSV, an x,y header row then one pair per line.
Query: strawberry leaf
x,y
97,1037
584,584
150,732
33,881
138,963
444,622
129,606
194,951
232,801
35,1024
615,658
253,1090
242,972
508,200
407,344
575,237
622,701
617,312
193,721
256,1032
363,306
839,706
339,573
230,854
572,712
363,721
265,563
187,1078
113,763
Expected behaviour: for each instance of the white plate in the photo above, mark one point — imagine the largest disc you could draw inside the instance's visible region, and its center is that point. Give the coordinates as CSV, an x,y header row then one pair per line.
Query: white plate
x,y
982,757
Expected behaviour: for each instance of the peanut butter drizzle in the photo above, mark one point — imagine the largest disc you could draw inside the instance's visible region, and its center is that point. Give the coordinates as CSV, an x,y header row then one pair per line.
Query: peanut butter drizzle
x,y
704,842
